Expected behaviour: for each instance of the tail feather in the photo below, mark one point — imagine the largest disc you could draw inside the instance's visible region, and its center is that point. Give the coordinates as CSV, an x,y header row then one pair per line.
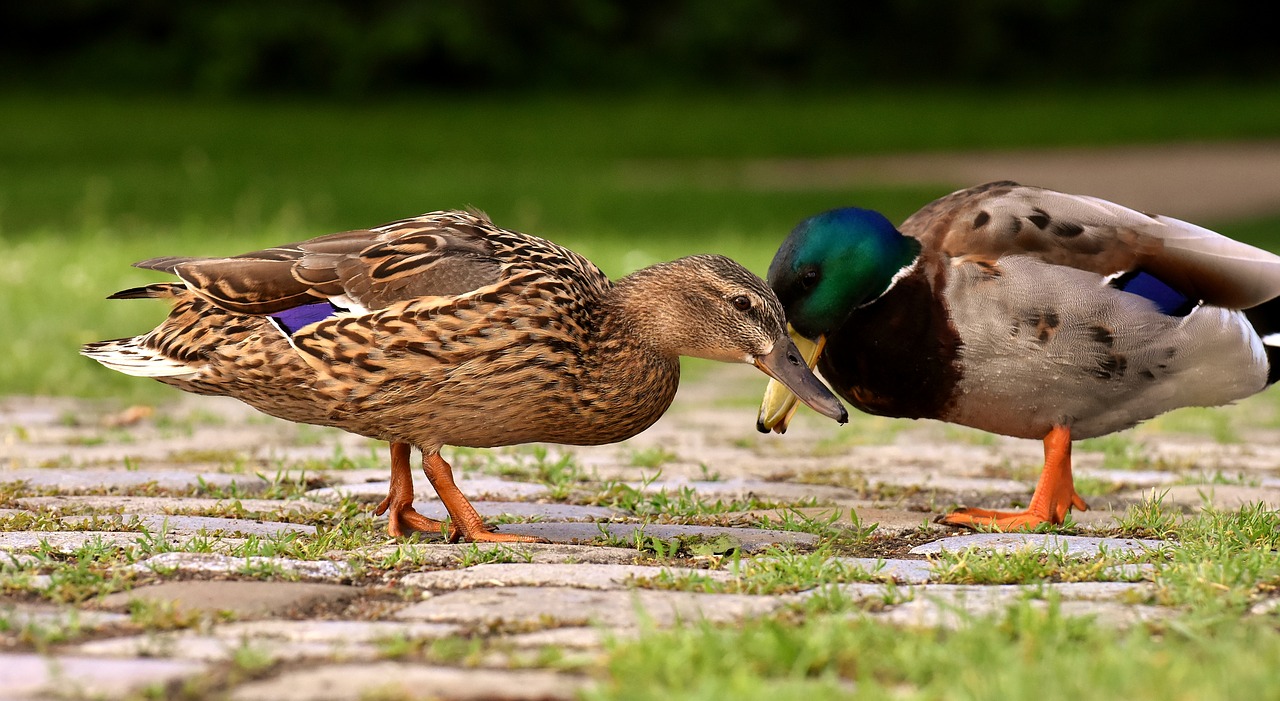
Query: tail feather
x,y
129,356
166,264
158,290
1265,319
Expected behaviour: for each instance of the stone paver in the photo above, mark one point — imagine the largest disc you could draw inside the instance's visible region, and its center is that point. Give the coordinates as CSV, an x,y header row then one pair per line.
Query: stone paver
x,y
354,682
276,640
476,489
954,605
565,606
524,509
1226,497
724,539
67,542
190,564
13,561
29,676
1071,546
453,555
245,599
96,480
23,615
191,525
886,521
900,571
580,576
167,505
742,489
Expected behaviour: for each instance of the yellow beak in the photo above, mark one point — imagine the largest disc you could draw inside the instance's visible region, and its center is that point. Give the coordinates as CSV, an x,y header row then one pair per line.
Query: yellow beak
x,y
780,403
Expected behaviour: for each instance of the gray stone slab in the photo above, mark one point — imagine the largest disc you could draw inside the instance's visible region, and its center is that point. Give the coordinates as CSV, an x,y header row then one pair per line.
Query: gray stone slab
x,y
569,638
62,617
1070,545
937,482
932,613
353,682
900,571
244,599
97,479
67,542
11,561
452,554
746,539
1225,497
25,675
742,489
525,509
564,606
187,564
275,640
476,489
968,596
1131,571
1266,607
579,576
886,521
191,525
321,631
1132,478
168,505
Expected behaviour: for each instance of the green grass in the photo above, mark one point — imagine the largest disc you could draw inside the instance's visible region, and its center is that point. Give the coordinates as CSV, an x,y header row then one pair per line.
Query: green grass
x,y
1025,653
89,185
827,647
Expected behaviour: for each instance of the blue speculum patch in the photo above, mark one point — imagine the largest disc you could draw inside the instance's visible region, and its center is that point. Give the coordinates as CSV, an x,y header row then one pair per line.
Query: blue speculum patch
x,y
290,320
1168,300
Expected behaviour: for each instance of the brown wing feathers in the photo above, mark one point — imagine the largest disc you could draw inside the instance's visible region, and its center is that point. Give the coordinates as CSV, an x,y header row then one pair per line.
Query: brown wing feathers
x,y
440,254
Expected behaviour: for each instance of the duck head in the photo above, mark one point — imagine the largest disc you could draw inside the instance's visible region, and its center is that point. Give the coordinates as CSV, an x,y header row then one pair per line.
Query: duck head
x,y
709,306
829,265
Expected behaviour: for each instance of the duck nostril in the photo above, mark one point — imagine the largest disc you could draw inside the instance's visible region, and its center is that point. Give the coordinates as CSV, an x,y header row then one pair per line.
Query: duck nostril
x,y
791,358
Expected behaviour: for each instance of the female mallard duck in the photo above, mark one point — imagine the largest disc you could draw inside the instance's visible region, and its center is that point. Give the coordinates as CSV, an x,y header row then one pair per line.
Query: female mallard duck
x,y
1030,313
447,330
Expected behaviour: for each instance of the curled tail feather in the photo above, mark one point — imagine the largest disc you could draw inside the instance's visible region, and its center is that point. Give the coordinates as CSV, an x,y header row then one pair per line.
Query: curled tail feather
x,y
159,290
131,357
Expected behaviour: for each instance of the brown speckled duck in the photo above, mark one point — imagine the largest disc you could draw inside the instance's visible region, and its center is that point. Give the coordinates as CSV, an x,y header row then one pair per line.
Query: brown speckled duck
x,y
1030,313
445,329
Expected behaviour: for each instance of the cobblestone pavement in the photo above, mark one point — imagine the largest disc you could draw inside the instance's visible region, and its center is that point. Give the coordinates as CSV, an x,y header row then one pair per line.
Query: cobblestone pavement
x,y
204,549
201,550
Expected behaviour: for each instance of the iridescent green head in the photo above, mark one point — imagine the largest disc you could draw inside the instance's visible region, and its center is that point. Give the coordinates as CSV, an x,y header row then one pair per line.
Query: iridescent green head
x,y
835,262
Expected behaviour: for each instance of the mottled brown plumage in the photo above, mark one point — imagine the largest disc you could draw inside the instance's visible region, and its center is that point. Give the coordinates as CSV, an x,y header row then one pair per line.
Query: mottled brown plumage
x,y
448,330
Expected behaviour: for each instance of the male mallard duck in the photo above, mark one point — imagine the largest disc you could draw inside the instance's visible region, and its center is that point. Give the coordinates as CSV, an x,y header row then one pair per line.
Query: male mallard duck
x,y
1029,313
447,330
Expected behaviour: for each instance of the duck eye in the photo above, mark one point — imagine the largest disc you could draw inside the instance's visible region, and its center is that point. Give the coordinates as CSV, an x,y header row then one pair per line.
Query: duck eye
x,y
742,303
808,278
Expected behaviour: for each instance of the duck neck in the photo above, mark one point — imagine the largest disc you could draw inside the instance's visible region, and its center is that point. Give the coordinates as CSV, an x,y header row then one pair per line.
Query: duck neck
x,y
631,369
632,328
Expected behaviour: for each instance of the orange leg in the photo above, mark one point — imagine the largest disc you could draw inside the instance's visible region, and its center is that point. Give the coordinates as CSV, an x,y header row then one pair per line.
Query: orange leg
x,y
401,518
467,523
1055,494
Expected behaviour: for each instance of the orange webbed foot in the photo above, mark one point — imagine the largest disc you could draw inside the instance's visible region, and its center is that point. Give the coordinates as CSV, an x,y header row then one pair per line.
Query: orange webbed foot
x,y
466,523
1054,497
402,519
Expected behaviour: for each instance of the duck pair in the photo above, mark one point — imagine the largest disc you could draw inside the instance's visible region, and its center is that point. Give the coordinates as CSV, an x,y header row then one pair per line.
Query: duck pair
x,y
1016,310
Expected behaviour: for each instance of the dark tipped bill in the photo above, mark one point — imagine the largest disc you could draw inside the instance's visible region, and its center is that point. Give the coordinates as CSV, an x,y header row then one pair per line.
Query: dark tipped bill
x,y
780,403
793,379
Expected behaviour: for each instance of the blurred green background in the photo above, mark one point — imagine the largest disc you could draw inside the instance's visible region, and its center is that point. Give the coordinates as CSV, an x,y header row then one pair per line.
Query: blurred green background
x,y
631,132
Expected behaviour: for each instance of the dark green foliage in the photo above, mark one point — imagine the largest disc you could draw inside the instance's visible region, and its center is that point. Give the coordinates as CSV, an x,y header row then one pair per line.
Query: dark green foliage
x,y
348,48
